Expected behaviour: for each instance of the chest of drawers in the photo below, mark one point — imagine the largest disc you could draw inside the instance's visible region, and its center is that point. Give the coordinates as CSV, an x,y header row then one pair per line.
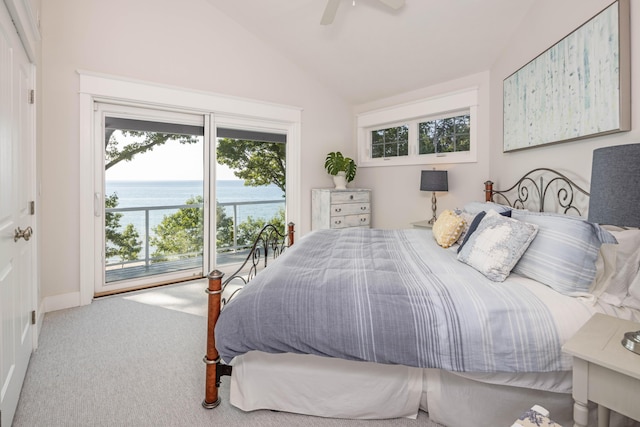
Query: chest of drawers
x,y
331,208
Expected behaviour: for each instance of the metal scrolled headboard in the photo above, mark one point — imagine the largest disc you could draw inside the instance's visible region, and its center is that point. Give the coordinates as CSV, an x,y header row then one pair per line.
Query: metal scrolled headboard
x,y
531,191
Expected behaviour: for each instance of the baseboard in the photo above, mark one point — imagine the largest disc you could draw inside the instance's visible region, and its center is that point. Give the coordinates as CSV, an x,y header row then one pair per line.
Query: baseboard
x,y
60,302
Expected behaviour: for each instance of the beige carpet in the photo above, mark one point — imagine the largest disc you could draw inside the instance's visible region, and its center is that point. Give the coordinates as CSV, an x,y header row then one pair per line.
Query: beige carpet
x,y
136,360
187,298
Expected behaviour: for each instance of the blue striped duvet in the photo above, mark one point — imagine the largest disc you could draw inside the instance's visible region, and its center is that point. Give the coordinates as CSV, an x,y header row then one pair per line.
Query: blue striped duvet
x,y
395,297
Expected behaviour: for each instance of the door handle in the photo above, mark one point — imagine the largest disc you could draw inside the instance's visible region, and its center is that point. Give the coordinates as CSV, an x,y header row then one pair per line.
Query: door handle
x,y
25,234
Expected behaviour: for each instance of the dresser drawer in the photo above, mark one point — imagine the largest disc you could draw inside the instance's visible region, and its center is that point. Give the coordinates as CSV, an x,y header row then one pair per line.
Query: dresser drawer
x,y
350,209
349,221
349,196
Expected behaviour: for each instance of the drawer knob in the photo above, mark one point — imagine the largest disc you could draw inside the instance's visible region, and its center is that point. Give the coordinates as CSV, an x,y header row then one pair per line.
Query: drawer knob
x,y
363,219
351,197
338,210
364,208
337,222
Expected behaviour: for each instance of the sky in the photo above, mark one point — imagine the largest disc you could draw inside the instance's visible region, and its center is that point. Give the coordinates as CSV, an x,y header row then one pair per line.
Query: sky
x,y
169,162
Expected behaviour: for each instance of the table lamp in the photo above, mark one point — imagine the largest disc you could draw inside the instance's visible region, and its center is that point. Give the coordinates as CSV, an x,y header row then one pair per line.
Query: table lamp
x,y
433,181
615,198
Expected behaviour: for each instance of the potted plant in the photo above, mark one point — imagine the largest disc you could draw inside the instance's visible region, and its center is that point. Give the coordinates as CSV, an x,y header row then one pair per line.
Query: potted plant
x,y
342,168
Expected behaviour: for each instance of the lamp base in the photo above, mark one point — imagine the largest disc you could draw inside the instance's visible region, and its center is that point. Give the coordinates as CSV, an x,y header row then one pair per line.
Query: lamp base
x,y
433,208
631,341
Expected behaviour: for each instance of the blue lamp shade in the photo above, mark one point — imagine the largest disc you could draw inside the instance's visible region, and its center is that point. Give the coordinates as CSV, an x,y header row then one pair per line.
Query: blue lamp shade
x,y
615,186
434,181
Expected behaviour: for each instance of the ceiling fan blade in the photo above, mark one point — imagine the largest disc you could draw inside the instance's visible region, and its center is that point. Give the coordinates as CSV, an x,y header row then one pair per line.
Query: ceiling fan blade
x,y
394,4
329,12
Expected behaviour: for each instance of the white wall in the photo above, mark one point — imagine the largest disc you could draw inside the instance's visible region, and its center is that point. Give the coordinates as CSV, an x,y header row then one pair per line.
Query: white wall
x,y
396,197
547,23
185,43
191,44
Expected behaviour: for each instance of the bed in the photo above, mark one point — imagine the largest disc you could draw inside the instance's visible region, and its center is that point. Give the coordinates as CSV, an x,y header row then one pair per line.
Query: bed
x,y
465,321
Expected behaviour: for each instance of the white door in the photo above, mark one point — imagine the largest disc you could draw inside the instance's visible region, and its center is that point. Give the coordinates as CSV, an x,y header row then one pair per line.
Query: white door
x,y
17,264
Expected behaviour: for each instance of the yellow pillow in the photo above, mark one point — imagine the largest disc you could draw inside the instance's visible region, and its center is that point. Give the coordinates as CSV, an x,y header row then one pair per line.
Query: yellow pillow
x,y
448,228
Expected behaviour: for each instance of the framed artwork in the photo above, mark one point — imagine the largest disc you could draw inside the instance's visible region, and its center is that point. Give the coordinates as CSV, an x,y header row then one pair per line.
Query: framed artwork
x,y
578,88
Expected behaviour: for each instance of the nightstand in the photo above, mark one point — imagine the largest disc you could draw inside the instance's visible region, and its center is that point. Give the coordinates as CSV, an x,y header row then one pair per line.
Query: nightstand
x,y
604,371
422,224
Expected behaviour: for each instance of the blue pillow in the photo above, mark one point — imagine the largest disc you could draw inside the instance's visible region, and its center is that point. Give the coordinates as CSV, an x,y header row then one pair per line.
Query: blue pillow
x,y
472,227
564,253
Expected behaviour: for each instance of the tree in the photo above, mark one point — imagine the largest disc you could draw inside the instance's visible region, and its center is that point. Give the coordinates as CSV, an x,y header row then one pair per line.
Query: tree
x,y
224,230
180,234
116,152
121,244
257,163
249,229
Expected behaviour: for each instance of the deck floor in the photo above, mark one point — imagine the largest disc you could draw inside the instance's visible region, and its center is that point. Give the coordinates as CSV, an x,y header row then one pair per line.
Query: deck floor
x,y
159,268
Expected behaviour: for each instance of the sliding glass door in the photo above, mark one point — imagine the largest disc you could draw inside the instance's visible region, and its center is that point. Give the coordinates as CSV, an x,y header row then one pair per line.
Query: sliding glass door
x,y
250,189
153,197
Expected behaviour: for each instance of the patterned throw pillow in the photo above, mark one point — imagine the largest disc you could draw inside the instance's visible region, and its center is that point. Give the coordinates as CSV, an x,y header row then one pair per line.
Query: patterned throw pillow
x,y
497,245
447,228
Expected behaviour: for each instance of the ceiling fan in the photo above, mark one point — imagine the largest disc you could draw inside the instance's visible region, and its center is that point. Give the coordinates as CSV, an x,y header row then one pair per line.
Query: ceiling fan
x,y
332,7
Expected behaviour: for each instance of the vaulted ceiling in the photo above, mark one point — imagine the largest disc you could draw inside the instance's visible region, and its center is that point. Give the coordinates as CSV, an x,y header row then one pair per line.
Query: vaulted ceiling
x,y
371,51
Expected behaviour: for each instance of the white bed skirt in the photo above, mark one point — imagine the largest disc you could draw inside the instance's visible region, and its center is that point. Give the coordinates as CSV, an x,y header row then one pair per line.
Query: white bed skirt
x,y
325,387
335,388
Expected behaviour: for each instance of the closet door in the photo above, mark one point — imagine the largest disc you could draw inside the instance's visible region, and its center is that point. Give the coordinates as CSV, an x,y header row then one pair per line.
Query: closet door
x,y
17,224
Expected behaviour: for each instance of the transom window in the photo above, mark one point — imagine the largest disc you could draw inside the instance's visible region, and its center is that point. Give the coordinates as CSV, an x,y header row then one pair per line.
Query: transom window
x,y
444,135
438,130
390,142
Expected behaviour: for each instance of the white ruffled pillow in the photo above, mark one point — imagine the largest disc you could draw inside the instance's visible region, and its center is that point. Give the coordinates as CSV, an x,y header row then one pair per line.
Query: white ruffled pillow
x,y
618,278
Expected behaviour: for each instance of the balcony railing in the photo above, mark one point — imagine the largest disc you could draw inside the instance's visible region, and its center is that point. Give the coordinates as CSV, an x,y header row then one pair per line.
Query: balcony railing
x,y
174,262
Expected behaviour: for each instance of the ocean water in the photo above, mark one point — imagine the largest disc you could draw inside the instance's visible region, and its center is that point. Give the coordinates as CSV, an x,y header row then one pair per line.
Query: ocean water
x,y
138,194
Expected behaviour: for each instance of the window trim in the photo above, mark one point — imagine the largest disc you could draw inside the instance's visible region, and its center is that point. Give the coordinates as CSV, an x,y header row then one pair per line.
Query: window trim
x,y
411,113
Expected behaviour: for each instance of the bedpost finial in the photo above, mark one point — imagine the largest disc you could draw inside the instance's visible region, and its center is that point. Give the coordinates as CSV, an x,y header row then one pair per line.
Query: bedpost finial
x,y
215,274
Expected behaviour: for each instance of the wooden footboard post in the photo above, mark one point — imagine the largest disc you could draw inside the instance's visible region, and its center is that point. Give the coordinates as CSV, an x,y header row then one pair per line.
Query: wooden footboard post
x,y
290,233
488,191
214,289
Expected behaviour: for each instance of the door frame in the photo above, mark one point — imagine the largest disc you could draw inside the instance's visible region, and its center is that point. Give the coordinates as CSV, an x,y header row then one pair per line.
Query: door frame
x,y
96,87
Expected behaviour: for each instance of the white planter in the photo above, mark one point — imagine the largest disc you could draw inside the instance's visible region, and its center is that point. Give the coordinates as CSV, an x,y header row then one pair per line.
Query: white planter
x,y
340,181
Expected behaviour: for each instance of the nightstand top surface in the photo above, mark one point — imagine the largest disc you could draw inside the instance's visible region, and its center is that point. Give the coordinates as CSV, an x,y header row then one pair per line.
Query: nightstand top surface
x,y
599,341
422,224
